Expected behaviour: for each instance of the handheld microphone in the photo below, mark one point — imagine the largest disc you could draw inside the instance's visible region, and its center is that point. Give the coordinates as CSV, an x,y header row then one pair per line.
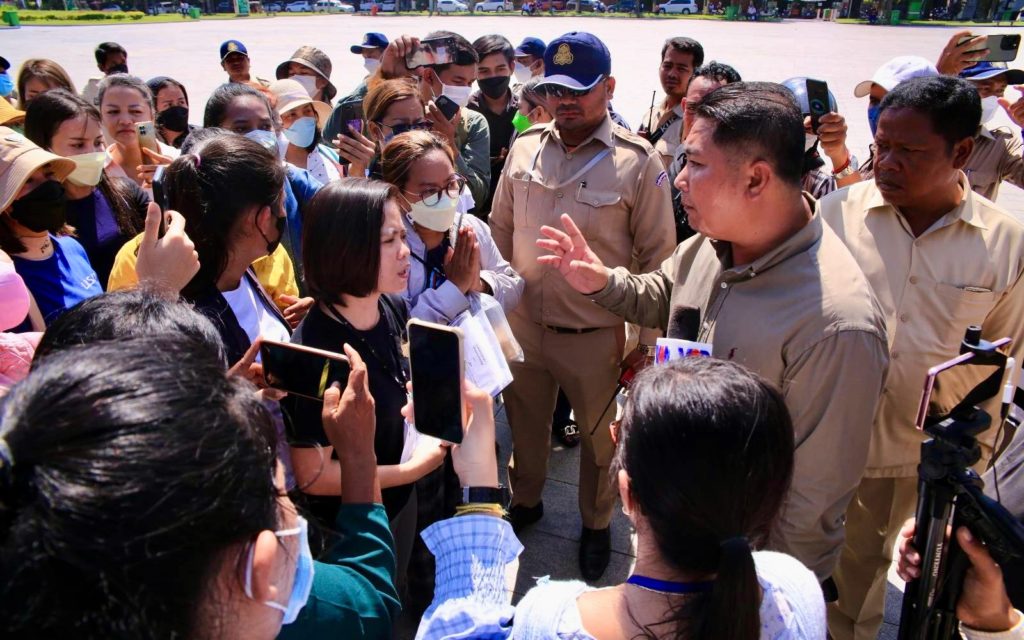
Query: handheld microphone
x,y
684,323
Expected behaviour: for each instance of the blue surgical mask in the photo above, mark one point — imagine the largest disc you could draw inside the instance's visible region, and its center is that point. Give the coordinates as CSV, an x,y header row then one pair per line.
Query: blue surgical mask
x,y
873,113
302,132
303,574
6,85
266,138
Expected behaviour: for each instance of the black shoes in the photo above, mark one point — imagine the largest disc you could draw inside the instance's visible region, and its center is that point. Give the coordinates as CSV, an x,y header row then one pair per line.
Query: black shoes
x,y
522,516
568,434
595,552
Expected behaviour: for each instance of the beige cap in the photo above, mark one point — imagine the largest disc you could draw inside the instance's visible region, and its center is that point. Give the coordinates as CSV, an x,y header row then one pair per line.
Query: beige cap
x,y
292,95
19,159
8,114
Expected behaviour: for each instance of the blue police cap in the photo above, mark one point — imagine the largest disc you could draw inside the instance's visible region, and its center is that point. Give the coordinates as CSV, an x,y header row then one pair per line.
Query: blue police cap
x,y
371,41
986,70
232,46
531,47
577,60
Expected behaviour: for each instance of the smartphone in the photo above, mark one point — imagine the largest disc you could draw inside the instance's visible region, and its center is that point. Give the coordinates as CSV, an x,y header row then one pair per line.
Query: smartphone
x,y
160,197
447,106
302,371
430,52
351,116
435,358
817,101
1001,48
147,137
944,389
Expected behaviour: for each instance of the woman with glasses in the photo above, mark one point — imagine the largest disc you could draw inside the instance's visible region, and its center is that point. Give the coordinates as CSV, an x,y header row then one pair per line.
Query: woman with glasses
x,y
391,107
453,255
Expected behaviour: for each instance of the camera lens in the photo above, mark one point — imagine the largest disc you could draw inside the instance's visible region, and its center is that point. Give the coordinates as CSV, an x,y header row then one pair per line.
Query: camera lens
x,y
816,106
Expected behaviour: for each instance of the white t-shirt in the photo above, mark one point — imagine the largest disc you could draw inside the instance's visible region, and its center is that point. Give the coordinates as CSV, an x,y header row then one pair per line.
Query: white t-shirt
x,y
253,315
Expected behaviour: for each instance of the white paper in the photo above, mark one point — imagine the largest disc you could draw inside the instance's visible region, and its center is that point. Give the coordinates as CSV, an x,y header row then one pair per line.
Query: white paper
x,y
485,364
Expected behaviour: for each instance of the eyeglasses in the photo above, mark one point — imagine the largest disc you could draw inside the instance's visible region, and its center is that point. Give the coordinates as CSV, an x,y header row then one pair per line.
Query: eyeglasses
x,y
397,129
559,92
433,196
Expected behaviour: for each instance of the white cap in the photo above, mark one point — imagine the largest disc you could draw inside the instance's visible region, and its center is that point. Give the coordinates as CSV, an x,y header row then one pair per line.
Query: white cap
x,y
895,71
292,95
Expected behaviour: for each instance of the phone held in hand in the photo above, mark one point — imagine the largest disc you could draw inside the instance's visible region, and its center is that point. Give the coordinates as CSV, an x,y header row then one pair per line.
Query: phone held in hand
x,y
351,116
302,371
160,197
430,52
447,106
817,101
147,137
1001,48
436,362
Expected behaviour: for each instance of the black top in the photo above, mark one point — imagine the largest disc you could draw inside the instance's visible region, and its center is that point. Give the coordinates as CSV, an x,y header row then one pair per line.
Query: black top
x,y
501,130
320,331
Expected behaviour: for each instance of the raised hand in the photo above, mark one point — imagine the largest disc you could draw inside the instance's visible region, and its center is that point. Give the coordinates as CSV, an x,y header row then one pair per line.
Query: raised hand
x,y
957,56
571,255
168,263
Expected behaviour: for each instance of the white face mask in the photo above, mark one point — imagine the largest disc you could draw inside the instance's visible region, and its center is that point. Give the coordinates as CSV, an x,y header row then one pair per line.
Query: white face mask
x,y
438,217
522,73
371,65
458,95
989,107
88,168
308,83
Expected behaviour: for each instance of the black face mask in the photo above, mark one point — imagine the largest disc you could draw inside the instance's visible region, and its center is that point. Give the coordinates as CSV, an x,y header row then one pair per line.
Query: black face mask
x,y
173,119
118,68
42,209
495,86
273,244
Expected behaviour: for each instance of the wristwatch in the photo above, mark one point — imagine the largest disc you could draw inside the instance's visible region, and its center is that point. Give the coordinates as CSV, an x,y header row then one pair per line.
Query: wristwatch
x,y
851,166
486,495
645,349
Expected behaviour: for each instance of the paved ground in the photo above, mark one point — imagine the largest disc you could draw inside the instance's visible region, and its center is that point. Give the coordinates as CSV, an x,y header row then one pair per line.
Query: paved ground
x,y
841,54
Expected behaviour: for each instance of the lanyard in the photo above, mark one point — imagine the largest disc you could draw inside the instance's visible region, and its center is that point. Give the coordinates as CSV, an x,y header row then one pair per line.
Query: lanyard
x,y
576,176
660,131
399,379
668,586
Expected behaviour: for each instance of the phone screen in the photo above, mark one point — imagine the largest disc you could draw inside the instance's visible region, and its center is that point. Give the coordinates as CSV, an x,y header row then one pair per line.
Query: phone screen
x,y
351,116
435,357
302,371
817,101
431,52
160,197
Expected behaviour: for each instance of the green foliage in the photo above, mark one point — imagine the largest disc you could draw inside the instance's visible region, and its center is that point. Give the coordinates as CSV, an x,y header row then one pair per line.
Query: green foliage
x,y
78,16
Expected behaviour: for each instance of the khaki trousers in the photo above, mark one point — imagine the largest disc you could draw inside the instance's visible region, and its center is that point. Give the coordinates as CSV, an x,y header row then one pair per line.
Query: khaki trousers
x,y
874,518
586,367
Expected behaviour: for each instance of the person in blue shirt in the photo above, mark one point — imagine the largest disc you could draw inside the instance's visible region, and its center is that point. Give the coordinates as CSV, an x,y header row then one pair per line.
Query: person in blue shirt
x,y
54,266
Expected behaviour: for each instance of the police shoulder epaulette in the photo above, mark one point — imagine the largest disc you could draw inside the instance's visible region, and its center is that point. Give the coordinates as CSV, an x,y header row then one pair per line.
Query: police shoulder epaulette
x,y
628,136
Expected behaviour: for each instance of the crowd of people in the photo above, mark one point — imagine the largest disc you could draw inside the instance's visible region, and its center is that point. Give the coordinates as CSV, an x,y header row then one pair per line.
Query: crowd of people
x,y
144,259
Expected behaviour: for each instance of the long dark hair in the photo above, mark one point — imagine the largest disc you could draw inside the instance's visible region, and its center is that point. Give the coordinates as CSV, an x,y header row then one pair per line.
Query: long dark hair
x,y
708,447
153,466
212,187
42,119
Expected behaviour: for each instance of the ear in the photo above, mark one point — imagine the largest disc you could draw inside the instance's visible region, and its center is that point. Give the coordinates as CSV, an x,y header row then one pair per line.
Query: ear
x,y
265,218
961,152
375,131
267,554
759,177
624,493
610,87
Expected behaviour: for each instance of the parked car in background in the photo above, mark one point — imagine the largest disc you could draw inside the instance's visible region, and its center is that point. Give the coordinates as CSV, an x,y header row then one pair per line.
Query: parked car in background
x,y
112,7
385,6
623,6
298,5
274,7
550,5
678,6
327,6
494,5
584,6
450,6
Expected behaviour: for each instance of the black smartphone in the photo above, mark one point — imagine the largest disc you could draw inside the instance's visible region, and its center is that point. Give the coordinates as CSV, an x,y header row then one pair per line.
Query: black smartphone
x,y
302,371
447,106
351,116
430,52
435,358
1001,48
817,101
160,197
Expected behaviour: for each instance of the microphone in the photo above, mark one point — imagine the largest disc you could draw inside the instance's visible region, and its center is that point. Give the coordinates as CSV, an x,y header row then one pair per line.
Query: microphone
x,y
684,324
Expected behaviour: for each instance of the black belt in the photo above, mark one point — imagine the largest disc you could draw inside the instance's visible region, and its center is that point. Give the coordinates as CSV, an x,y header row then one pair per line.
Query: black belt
x,y
568,330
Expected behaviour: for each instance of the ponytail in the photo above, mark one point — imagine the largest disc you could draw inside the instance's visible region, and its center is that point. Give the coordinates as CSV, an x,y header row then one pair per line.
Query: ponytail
x,y
732,610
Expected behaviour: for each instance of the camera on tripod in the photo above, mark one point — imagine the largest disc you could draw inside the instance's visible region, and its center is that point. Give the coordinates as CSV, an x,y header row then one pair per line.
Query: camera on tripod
x,y
950,491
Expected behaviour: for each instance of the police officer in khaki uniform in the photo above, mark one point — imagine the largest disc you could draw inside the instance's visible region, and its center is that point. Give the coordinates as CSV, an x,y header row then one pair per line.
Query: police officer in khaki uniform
x,y
614,186
662,125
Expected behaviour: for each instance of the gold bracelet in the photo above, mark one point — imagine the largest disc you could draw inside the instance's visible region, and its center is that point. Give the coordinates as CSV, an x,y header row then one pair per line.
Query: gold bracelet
x,y
491,509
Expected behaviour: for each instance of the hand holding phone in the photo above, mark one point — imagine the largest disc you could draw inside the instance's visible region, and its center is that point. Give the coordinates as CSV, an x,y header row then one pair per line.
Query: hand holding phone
x,y
436,361
818,101
160,197
1001,48
147,137
446,106
302,371
431,52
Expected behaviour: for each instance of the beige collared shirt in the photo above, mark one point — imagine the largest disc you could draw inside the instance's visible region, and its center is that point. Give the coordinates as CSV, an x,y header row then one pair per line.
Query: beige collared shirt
x,y
996,157
803,316
620,202
667,144
963,270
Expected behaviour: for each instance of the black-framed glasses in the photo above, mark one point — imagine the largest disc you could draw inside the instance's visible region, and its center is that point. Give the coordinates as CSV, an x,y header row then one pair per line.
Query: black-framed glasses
x,y
433,196
558,91
402,127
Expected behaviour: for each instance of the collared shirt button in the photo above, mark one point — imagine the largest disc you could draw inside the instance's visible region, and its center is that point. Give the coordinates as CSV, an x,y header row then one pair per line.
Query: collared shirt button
x,y
913,279
904,317
558,195
568,156
725,286
895,355
707,325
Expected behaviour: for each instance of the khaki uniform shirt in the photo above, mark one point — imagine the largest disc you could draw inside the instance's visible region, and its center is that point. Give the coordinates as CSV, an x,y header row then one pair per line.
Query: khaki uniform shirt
x,y
964,270
667,144
621,205
803,316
